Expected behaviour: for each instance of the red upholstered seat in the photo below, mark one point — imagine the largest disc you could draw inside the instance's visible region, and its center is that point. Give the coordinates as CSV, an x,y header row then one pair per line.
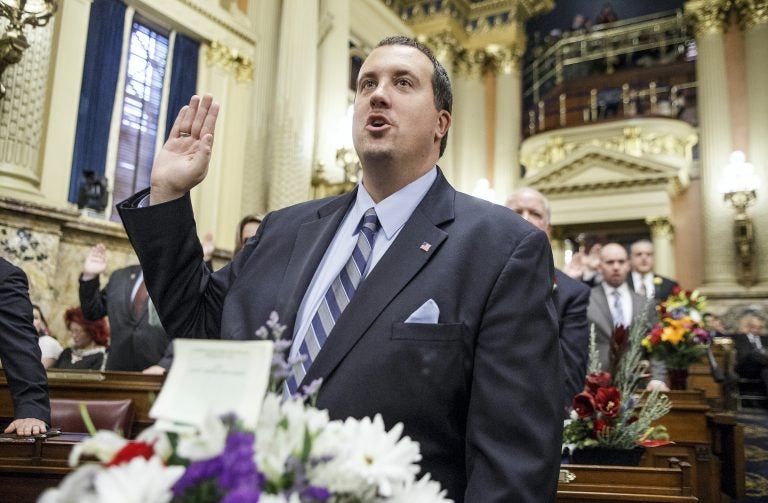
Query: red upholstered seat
x,y
115,415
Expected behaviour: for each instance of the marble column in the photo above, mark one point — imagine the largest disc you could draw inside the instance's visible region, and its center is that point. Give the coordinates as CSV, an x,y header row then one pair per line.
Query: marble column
x,y
754,20
22,117
265,17
444,46
333,129
506,165
662,235
714,141
469,120
291,148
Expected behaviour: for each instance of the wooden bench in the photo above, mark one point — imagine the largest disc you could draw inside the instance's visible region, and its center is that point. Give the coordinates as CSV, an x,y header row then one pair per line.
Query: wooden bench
x,y
585,483
142,389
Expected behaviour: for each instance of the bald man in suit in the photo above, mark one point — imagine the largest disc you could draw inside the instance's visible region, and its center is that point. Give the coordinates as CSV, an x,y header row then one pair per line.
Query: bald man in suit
x,y
612,303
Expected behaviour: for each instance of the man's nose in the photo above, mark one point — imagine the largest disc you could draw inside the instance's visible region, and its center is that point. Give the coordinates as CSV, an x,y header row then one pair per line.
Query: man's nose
x,y
380,95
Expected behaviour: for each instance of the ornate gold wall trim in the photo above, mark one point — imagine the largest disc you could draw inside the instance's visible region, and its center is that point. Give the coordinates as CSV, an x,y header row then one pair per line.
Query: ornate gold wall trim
x,y
752,12
218,54
709,16
210,14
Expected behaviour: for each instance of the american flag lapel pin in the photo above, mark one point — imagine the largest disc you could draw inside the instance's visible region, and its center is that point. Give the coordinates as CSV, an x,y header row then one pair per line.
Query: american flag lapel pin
x,y
425,247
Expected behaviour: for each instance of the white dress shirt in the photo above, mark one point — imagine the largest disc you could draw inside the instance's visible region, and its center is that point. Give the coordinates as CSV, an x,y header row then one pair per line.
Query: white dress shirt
x,y
643,279
392,212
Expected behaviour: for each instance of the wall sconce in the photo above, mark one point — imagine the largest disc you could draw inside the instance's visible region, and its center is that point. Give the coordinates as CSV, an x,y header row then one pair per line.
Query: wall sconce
x,y
739,185
19,13
346,157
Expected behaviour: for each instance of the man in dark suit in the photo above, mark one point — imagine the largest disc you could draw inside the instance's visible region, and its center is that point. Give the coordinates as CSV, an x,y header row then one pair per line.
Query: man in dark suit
x,y
20,354
135,343
642,280
612,303
452,331
571,298
751,348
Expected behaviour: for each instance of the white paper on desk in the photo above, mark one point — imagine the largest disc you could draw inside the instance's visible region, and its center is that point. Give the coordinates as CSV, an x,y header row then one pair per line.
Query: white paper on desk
x,y
214,376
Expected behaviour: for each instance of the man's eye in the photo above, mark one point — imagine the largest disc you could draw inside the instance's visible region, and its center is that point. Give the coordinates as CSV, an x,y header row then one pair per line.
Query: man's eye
x,y
403,82
367,84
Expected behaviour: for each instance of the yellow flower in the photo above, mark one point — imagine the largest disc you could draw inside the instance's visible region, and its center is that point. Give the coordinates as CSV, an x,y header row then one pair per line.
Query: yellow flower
x,y
673,333
657,280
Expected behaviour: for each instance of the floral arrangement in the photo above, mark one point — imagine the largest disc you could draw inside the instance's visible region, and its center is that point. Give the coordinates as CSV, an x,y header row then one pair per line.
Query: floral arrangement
x,y
608,413
679,338
295,454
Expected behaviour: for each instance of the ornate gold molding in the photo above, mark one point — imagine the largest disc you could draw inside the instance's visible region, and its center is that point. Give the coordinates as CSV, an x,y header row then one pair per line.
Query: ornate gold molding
x,y
218,54
661,227
752,13
709,16
443,44
470,63
210,14
506,59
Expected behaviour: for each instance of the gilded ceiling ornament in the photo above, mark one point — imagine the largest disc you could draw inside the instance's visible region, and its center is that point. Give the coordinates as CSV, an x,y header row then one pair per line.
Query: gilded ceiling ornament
x,y
471,63
218,54
709,15
752,13
661,227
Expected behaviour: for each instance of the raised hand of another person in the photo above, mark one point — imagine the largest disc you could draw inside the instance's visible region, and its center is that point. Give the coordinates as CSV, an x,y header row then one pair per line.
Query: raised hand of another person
x,y
26,427
593,258
575,268
95,262
183,161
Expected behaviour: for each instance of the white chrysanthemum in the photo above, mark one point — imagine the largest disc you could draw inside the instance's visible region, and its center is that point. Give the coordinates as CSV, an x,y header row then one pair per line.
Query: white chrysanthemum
x,y
695,315
137,481
206,444
423,491
280,432
77,487
158,440
369,457
104,445
278,498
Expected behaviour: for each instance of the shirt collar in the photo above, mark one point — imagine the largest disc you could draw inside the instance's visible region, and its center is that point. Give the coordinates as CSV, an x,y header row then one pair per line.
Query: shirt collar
x,y
396,209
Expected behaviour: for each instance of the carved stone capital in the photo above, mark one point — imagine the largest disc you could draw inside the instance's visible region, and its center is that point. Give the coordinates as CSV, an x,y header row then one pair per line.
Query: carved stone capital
x,y
661,227
471,63
752,13
710,16
444,45
506,59
218,54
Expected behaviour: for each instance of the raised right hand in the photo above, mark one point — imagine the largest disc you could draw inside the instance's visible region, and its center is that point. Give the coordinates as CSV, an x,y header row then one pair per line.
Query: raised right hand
x,y
183,161
95,262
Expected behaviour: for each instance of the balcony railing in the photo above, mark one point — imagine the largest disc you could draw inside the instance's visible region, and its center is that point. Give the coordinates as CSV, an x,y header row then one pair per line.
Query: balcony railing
x,y
643,41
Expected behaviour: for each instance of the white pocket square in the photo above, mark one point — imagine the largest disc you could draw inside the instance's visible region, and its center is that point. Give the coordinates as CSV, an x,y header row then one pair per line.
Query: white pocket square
x,y
426,313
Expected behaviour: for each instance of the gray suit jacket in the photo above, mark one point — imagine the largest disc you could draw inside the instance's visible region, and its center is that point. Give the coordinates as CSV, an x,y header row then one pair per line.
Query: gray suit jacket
x,y
599,313
480,390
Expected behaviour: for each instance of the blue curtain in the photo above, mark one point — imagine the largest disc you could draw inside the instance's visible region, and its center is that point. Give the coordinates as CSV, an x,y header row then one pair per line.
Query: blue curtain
x,y
97,94
183,77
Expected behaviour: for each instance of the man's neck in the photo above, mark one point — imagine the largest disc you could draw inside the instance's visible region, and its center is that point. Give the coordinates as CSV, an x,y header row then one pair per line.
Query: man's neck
x,y
382,182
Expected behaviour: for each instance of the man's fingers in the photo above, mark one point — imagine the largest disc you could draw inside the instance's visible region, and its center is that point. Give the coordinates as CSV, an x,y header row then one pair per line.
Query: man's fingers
x,y
202,112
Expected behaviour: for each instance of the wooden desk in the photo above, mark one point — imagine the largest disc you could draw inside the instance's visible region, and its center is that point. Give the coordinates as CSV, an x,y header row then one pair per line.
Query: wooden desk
x,y
141,388
582,483
28,466
694,432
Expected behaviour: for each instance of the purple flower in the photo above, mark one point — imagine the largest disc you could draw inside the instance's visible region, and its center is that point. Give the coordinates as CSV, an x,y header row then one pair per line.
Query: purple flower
x,y
242,494
313,494
239,468
197,472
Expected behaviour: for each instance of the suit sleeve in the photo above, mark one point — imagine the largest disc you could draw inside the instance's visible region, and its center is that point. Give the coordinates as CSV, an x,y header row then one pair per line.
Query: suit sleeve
x,y
574,340
93,302
188,296
20,351
515,420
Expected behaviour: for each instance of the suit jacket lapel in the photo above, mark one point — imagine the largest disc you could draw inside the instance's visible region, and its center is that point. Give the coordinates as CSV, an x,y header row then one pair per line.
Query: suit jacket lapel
x,y
402,261
606,321
312,241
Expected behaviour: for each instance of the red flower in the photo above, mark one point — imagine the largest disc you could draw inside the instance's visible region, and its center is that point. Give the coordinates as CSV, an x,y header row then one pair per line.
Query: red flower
x,y
600,425
132,450
676,290
597,380
584,405
607,401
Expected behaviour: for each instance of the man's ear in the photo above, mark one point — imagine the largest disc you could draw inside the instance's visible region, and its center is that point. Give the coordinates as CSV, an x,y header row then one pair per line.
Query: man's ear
x,y
443,124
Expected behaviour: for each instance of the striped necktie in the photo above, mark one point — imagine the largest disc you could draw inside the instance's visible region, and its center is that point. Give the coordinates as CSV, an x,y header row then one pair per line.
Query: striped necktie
x,y
618,309
335,300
